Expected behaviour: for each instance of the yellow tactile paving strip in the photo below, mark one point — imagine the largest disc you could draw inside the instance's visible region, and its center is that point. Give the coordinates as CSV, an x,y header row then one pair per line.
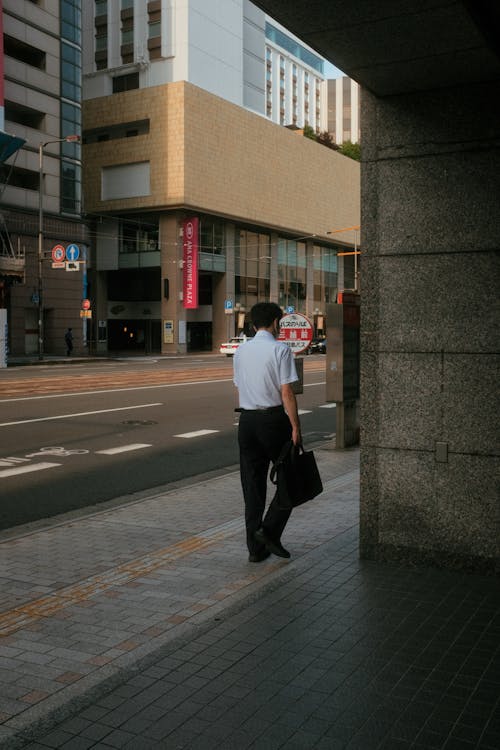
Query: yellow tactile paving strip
x,y
83,591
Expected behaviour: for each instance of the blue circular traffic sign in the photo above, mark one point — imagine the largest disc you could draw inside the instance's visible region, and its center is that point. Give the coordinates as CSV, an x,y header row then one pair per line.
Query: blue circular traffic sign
x,y
72,252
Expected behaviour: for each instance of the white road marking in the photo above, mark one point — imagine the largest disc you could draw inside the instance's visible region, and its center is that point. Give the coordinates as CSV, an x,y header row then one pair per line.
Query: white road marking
x,y
26,469
12,461
78,414
304,411
328,406
198,433
124,448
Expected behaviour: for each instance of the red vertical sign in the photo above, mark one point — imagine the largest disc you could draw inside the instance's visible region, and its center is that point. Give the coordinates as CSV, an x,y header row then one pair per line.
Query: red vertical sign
x,y
190,274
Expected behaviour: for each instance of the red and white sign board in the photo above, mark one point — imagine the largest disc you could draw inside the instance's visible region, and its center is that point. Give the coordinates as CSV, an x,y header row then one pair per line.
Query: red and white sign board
x,y
58,253
296,331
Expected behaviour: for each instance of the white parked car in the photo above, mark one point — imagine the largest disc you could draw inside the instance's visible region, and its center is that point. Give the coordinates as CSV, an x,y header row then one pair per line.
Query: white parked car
x,y
229,347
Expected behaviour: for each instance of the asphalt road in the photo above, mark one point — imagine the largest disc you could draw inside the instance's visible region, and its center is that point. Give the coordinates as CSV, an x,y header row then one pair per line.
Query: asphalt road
x,y
73,437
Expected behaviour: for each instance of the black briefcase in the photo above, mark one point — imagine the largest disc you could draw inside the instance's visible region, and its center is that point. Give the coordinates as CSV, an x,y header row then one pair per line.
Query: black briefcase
x,y
296,476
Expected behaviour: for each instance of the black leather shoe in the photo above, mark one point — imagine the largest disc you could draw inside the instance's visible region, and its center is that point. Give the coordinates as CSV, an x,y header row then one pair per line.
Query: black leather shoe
x,y
275,547
259,556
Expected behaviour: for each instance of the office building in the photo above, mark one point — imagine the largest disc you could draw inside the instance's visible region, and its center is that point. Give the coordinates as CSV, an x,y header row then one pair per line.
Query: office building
x,y
41,78
176,141
147,173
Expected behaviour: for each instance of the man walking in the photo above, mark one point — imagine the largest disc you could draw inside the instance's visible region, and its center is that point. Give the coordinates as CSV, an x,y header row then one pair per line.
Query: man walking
x,y
264,370
68,339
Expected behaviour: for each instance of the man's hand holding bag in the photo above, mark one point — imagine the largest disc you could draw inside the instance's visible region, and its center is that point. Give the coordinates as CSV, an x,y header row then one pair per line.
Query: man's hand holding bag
x,y
296,476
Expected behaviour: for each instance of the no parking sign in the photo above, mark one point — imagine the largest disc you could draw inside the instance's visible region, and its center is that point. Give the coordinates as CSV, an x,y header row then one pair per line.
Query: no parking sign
x,y
296,331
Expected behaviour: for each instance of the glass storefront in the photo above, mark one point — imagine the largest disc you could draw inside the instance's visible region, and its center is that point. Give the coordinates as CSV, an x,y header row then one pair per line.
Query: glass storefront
x,y
292,281
325,276
252,266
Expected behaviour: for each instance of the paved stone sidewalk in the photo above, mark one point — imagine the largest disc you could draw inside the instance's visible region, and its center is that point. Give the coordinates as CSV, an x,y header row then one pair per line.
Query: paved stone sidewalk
x,y
83,599
145,627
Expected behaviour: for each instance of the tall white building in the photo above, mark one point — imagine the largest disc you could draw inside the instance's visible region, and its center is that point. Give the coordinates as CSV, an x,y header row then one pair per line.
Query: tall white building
x,y
229,48
296,89
343,110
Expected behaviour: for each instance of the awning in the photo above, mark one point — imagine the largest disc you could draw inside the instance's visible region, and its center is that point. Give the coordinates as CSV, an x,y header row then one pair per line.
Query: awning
x,y
9,144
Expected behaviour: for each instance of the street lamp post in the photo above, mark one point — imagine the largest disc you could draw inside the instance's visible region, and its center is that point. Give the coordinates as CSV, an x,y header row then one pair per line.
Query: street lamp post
x,y
67,139
354,252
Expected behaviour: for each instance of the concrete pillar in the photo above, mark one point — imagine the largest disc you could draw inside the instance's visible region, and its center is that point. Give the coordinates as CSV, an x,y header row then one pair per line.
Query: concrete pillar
x,y
173,315
429,362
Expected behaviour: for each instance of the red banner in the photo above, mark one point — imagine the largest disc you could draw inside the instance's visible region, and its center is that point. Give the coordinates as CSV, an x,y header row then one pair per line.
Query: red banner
x,y
190,266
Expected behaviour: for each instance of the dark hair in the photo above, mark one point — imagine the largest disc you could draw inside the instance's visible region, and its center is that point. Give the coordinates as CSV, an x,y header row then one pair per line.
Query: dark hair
x,y
263,314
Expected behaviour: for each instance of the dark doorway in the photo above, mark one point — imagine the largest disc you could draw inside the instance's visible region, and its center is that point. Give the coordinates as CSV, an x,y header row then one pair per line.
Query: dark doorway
x,y
199,337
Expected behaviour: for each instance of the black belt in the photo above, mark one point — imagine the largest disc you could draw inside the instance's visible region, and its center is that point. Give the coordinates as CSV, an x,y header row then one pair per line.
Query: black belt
x,y
267,410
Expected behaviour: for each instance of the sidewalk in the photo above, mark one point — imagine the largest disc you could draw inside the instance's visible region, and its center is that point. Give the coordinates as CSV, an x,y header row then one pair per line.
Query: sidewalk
x,y
144,626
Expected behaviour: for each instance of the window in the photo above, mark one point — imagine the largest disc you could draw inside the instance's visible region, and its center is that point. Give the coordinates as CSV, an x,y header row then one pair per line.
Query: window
x,y
101,34
292,274
139,237
123,130
128,36
125,83
101,42
101,7
212,245
324,274
252,267
71,124
296,49
18,177
71,20
154,29
24,52
23,115
71,72
71,180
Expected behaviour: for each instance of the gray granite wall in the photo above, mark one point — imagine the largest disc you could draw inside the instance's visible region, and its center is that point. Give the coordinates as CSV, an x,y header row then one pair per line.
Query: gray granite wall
x,y
430,333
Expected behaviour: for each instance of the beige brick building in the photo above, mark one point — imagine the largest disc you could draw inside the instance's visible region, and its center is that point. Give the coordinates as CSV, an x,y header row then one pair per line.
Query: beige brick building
x,y
155,157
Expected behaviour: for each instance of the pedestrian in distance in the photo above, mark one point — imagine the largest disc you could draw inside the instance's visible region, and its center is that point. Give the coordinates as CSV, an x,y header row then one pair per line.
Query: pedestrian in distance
x,y
68,338
264,370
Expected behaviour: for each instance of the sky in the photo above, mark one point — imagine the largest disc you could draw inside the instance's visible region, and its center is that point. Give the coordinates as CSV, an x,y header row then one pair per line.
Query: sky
x,y
331,71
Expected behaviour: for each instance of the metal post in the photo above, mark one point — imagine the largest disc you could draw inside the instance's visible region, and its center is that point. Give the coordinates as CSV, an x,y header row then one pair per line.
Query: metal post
x,y
40,251
67,139
355,260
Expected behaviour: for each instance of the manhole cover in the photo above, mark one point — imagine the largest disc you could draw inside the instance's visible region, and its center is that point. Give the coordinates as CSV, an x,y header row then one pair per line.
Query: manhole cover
x,y
139,421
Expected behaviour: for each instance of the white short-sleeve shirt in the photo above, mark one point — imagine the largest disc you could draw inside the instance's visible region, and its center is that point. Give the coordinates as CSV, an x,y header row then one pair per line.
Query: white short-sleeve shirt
x,y
261,366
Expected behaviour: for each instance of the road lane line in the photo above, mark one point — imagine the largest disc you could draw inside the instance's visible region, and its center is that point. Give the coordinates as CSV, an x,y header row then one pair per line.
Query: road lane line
x,y
198,433
124,390
300,412
26,469
77,414
328,406
114,390
124,448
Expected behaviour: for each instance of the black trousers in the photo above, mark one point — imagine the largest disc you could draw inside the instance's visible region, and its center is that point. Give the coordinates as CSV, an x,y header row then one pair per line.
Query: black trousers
x,y
261,436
